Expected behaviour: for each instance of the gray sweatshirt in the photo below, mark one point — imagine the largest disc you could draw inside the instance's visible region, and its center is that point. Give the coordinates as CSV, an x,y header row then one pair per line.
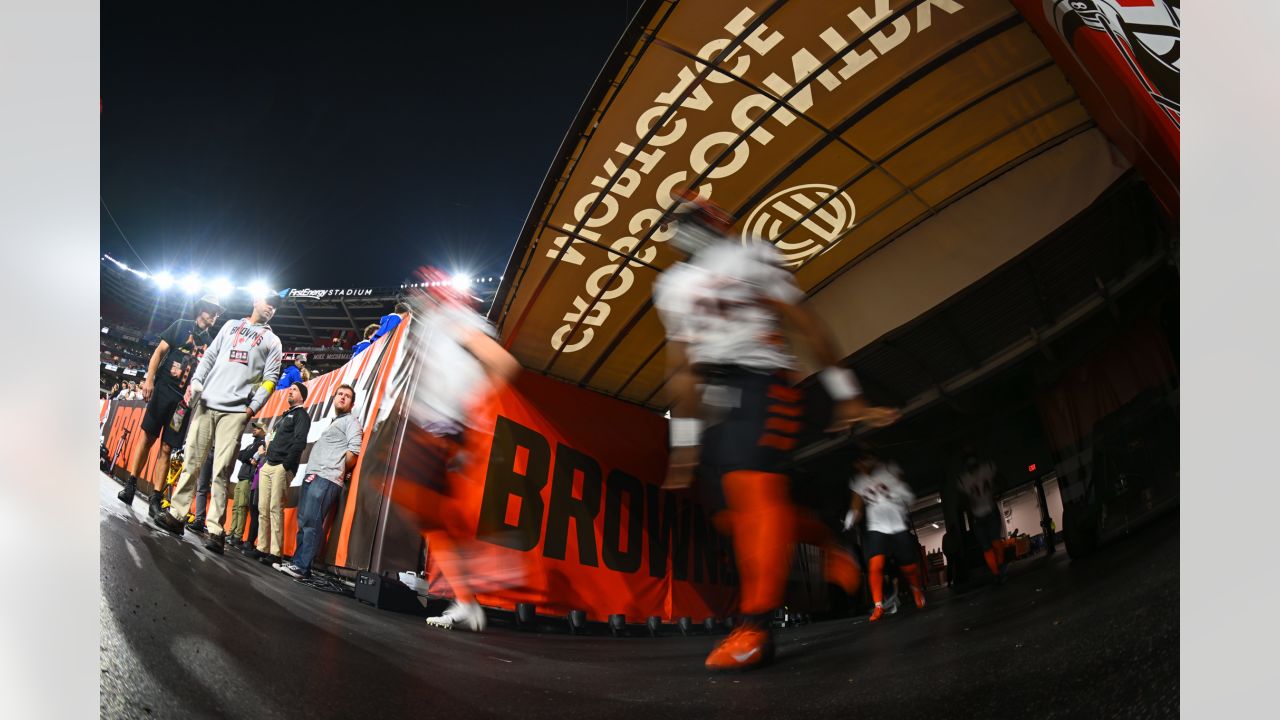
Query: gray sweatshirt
x,y
240,367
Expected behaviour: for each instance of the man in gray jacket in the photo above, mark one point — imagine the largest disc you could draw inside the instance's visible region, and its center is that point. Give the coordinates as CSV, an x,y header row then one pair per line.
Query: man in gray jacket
x,y
233,381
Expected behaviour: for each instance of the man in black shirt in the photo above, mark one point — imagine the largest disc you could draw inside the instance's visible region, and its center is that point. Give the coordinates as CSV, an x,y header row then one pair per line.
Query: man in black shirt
x,y
284,452
168,373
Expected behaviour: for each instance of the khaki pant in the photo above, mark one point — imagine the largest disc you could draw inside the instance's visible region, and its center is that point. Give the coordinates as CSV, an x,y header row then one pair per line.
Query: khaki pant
x,y
241,510
222,431
272,483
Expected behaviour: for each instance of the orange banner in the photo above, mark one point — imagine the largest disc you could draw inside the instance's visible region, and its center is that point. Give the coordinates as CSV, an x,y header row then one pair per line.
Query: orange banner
x,y
569,479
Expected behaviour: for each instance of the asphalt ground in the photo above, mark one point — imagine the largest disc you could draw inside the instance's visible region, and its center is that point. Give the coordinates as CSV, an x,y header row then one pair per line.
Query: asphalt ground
x,y
189,634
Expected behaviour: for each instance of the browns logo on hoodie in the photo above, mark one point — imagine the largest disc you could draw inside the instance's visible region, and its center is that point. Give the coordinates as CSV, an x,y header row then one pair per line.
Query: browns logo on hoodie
x,y
240,367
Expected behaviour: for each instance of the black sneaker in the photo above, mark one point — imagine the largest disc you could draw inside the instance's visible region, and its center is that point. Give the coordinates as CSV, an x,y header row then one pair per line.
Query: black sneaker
x,y
197,526
155,504
215,543
126,495
233,542
168,523
251,552
268,560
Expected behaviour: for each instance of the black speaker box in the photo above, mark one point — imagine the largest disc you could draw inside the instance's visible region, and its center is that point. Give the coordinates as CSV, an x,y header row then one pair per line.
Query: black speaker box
x,y
386,593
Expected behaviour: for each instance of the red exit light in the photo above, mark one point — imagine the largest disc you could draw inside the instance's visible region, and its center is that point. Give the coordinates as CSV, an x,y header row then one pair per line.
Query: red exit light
x,y
1031,467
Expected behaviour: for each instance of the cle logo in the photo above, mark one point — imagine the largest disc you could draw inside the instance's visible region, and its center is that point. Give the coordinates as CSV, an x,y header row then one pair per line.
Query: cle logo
x,y
819,230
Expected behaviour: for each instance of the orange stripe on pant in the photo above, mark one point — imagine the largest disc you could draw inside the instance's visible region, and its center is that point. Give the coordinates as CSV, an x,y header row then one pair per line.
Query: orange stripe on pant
x,y
788,410
782,425
783,393
779,442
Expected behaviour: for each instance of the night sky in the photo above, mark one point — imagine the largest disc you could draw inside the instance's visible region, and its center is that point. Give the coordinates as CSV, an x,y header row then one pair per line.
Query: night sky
x,y
336,147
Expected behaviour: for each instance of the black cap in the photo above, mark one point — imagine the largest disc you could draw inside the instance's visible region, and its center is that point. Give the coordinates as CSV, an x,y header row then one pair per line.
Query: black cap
x,y
271,299
302,388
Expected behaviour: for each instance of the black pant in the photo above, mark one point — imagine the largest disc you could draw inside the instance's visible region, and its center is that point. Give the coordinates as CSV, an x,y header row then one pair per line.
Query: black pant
x,y
253,517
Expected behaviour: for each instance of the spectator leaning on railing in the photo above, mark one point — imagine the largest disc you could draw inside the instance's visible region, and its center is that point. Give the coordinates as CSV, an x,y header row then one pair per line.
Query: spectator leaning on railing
x,y
363,345
331,459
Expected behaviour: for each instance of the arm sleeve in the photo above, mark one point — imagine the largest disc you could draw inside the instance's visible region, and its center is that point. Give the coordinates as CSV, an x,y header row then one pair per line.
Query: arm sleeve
x,y
669,301
210,355
269,376
906,496
247,454
858,484
354,435
388,323
903,491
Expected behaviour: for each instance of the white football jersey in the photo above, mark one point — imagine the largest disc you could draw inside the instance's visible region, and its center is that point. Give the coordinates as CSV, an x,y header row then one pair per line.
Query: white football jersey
x,y
449,378
979,486
886,497
716,303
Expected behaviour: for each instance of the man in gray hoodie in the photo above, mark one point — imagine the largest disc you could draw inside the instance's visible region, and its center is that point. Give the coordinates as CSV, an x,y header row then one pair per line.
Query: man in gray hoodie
x,y
234,379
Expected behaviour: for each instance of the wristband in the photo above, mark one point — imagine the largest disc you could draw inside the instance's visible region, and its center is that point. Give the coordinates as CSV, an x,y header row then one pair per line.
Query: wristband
x,y
840,383
685,431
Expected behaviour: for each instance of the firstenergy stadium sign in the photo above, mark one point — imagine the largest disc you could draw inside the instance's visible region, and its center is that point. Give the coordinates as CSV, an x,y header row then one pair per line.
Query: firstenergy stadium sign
x,y
680,152
310,294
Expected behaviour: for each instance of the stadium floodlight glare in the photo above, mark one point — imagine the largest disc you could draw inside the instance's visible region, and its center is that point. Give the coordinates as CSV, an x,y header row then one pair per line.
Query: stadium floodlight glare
x,y
221,287
460,282
191,284
258,289
164,280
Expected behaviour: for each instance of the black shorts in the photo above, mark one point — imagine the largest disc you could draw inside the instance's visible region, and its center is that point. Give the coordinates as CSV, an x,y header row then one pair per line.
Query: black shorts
x,y
987,530
159,416
754,422
901,546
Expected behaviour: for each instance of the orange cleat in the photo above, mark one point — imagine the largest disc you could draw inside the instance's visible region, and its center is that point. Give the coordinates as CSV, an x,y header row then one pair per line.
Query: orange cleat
x,y
876,614
746,647
918,594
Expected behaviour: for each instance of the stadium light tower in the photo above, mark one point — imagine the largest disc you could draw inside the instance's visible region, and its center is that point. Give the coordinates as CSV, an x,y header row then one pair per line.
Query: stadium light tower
x,y
221,287
258,289
191,284
460,282
164,280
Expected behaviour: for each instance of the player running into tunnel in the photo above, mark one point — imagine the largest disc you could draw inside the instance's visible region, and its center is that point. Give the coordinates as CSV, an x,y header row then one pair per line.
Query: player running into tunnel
x,y
457,365
880,493
737,413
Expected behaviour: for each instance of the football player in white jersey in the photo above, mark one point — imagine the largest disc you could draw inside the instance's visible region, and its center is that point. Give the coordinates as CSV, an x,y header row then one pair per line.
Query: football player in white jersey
x,y
737,414
880,494
977,482
458,363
